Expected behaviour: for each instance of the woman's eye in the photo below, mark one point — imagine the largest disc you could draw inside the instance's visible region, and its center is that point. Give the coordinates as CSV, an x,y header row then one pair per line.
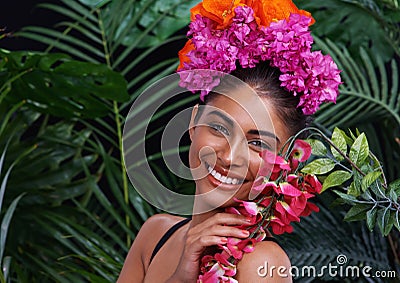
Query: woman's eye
x,y
219,128
260,144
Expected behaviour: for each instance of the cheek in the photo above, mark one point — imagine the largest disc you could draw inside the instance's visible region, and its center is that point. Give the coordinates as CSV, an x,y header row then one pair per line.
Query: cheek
x,y
204,145
255,164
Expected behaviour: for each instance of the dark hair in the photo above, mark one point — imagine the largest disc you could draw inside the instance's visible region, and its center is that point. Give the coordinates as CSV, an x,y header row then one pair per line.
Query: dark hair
x,y
264,80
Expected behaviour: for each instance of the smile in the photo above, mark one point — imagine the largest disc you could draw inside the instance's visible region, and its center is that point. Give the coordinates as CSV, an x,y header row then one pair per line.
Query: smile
x,y
223,179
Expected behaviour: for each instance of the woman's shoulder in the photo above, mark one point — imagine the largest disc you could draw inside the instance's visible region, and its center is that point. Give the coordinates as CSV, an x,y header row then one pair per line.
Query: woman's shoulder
x,y
138,258
161,222
153,230
268,262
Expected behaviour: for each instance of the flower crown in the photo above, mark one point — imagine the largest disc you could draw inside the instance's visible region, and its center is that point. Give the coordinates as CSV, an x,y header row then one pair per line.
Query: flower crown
x,y
224,33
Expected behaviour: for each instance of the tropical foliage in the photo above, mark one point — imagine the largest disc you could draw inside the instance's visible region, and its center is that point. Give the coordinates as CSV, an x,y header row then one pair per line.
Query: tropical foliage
x,y
66,108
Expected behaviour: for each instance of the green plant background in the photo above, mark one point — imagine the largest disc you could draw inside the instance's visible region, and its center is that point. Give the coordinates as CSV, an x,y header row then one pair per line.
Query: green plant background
x,y
68,211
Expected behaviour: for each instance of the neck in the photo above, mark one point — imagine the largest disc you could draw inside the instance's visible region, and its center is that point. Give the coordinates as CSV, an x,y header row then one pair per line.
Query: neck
x,y
202,211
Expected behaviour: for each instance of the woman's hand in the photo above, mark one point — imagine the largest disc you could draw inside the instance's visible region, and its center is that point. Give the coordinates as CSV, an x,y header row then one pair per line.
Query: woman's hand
x,y
213,231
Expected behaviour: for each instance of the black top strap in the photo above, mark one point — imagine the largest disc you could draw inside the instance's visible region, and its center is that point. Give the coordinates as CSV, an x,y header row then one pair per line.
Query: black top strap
x,y
167,235
178,225
271,239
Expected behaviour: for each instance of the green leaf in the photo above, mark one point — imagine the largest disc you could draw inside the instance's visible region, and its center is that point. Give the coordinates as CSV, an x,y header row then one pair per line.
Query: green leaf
x,y
318,147
338,138
357,212
371,218
5,223
355,188
58,85
369,179
356,14
383,218
336,178
319,166
392,195
164,19
390,222
349,199
397,220
395,185
369,105
359,151
94,3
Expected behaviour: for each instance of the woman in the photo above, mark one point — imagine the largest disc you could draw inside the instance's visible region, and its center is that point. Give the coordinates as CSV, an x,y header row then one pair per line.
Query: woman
x,y
219,129
228,132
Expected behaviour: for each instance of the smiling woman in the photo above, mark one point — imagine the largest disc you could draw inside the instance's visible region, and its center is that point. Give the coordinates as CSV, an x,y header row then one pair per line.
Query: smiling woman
x,y
282,83
228,132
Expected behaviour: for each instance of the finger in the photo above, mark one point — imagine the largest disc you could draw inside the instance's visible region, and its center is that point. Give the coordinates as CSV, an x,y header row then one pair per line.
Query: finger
x,y
224,218
228,231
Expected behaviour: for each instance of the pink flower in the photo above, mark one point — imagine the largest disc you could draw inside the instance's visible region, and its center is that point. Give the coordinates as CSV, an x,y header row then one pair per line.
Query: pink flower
x,y
249,206
286,213
213,275
311,184
297,203
260,233
274,165
300,153
237,247
310,207
278,227
285,43
223,259
262,187
287,189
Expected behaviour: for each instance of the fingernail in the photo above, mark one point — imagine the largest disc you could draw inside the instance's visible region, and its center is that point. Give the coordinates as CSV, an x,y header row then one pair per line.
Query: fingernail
x,y
224,240
245,233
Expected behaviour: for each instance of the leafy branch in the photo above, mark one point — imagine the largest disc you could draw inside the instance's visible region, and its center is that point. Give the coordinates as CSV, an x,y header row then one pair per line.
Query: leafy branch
x,y
345,162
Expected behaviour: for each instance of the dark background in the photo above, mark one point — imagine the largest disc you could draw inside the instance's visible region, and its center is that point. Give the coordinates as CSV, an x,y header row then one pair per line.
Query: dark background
x,y
15,14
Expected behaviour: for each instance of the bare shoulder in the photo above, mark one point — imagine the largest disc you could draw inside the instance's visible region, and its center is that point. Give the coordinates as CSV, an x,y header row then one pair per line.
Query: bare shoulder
x,y
137,260
152,231
159,223
267,263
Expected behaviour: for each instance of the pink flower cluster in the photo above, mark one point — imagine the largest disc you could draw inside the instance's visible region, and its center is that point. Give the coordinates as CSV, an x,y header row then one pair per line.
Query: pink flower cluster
x,y
282,195
286,44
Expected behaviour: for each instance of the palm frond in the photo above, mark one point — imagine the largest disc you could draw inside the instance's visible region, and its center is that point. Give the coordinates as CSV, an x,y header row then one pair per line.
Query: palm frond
x,y
319,239
355,16
364,95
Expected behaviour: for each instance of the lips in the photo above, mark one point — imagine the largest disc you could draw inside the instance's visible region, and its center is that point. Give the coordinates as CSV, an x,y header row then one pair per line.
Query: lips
x,y
224,179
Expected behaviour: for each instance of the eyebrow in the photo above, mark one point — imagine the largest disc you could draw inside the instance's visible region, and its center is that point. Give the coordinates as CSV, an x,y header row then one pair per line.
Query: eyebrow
x,y
251,132
263,133
224,117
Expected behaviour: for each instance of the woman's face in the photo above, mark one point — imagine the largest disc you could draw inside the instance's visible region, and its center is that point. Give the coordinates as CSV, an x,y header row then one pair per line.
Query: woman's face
x,y
227,138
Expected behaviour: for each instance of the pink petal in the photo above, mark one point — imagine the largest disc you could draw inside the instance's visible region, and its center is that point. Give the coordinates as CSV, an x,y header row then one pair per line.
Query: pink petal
x,y
289,190
301,150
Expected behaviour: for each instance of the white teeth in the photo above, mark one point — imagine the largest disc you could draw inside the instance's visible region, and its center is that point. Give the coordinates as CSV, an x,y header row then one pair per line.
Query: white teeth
x,y
223,179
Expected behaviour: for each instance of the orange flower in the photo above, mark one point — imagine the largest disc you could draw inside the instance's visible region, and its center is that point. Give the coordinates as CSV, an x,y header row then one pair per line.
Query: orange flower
x,y
220,11
182,53
265,11
268,11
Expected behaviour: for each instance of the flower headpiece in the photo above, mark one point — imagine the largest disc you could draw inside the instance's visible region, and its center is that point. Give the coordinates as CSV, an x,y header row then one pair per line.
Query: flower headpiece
x,y
224,33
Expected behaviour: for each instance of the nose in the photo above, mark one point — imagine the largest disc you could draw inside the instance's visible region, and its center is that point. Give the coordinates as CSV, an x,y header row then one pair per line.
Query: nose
x,y
233,153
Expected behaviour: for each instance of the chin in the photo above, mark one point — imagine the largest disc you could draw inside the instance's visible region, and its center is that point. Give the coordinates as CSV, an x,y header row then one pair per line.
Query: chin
x,y
219,196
